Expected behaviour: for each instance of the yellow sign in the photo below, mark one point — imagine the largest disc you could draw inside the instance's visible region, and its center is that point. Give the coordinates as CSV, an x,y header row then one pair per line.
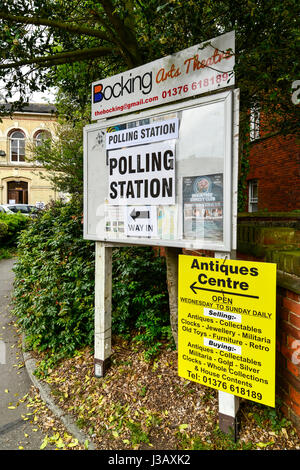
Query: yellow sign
x,y
226,325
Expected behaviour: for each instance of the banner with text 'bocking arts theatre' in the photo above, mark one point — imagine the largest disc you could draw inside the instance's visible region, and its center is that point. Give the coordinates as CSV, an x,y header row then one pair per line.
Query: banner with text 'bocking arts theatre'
x,y
205,67
226,325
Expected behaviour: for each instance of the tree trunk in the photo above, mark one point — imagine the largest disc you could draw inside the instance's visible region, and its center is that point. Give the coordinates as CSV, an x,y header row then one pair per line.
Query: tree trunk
x,y
172,282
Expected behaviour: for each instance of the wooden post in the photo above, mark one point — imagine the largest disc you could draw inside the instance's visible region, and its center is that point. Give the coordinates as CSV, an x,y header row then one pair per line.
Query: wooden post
x,y
172,281
228,403
103,288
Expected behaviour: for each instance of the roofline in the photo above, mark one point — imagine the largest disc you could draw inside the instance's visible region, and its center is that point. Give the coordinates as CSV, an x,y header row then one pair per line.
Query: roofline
x,y
49,109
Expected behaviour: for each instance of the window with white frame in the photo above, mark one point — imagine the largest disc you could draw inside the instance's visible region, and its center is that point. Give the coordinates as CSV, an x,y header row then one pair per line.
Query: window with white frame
x,y
253,196
17,146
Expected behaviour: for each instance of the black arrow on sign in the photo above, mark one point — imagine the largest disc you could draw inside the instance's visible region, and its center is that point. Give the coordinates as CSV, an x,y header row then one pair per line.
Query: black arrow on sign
x,y
140,214
193,287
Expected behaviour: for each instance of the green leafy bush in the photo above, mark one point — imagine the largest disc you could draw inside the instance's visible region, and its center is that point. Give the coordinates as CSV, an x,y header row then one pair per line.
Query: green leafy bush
x,y
54,287
11,226
3,230
54,282
140,296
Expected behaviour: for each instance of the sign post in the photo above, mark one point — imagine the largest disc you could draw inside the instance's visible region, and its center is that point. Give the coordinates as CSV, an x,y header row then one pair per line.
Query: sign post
x,y
103,286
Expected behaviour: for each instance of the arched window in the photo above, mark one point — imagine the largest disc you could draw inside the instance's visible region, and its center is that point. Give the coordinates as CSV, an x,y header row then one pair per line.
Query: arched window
x,y
40,136
17,146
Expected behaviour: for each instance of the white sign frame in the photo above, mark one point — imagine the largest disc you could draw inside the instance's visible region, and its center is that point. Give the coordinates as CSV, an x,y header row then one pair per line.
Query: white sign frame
x,y
231,103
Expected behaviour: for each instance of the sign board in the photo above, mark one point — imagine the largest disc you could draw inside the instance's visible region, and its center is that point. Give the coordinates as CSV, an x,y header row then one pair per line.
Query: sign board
x,y
226,325
199,69
175,163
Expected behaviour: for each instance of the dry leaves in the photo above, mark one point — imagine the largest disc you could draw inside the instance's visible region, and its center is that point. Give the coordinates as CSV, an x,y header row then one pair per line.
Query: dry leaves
x,y
142,405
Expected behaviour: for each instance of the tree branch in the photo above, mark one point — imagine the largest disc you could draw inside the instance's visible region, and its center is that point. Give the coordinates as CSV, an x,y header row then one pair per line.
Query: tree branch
x,y
101,20
71,28
126,37
63,57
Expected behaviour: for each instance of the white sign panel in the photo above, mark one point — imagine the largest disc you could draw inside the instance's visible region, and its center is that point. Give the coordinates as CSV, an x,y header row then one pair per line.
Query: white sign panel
x,y
164,130
177,192
142,175
141,221
199,69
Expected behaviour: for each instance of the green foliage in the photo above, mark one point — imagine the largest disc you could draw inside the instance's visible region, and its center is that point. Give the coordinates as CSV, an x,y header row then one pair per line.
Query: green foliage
x,y
7,253
54,282
266,415
137,434
3,230
4,253
11,225
63,157
140,296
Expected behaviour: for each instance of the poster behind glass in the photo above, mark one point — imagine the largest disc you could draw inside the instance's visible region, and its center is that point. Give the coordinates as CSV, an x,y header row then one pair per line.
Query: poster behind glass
x,y
203,207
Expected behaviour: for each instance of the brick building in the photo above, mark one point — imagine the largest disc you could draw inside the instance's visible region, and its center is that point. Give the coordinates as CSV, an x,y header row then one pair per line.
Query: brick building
x,y
270,232
273,181
274,176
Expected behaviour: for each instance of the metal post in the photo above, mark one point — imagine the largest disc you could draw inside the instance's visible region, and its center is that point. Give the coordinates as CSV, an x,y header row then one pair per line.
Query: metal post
x,y
228,403
103,292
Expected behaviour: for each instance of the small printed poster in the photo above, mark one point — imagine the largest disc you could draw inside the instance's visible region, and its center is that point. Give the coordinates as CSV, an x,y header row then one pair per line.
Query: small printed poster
x,y
203,207
167,222
140,221
114,221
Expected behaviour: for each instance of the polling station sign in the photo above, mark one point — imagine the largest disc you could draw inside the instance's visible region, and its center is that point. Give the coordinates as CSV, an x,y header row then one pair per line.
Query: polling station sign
x,y
145,134
142,174
226,326
193,71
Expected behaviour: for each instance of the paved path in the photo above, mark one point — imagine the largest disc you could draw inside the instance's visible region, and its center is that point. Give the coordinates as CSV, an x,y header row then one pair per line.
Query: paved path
x,y
15,383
